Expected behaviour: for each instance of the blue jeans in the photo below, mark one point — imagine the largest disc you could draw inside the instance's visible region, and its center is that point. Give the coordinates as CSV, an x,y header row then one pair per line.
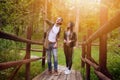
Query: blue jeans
x,y
52,51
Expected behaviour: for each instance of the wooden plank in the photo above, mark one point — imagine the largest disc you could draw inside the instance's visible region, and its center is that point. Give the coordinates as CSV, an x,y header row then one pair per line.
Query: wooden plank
x,y
60,71
78,75
52,76
62,75
46,76
72,75
40,76
68,76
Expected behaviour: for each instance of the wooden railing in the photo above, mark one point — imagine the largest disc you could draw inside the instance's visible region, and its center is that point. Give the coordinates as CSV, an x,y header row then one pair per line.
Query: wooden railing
x,y
26,60
99,69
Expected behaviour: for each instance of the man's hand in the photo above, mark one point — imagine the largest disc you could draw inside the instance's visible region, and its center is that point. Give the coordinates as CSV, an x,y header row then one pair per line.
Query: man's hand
x,y
65,41
55,46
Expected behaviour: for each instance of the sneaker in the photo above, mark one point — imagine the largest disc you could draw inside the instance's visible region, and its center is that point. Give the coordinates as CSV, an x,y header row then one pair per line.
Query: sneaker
x,y
68,72
49,72
66,69
56,73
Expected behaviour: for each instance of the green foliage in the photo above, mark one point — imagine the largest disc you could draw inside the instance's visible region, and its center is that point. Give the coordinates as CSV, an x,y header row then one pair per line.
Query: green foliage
x,y
8,50
114,64
114,42
5,73
114,46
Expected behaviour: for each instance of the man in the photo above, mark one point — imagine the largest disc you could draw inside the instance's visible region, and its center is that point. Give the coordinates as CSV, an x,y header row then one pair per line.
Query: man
x,y
50,43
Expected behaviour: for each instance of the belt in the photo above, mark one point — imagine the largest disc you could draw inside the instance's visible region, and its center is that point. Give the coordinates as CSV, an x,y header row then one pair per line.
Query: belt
x,y
52,42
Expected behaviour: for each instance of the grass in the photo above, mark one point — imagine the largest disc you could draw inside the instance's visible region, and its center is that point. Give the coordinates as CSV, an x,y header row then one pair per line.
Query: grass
x,y
76,58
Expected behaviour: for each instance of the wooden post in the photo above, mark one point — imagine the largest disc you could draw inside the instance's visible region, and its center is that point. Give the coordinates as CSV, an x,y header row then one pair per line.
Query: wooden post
x,y
103,43
77,19
28,47
83,51
45,15
44,53
45,25
88,56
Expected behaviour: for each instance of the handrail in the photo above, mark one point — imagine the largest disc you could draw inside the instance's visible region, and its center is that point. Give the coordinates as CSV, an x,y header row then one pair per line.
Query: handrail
x,y
95,66
15,38
35,50
106,28
101,75
93,44
27,59
6,65
101,33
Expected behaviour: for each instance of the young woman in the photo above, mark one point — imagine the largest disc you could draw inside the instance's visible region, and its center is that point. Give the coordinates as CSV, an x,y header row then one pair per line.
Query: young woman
x,y
69,43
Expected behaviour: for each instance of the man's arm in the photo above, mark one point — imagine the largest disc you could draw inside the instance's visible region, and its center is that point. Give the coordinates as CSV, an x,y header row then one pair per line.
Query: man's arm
x,y
57,39
49,22
58,35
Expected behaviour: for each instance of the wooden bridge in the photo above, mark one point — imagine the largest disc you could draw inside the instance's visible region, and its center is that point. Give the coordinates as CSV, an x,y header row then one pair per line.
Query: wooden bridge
x,y
75,75
100,68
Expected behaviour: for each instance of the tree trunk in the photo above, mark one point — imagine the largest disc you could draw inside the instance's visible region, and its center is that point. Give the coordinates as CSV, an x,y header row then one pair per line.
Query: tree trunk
x,y
45,16
77,20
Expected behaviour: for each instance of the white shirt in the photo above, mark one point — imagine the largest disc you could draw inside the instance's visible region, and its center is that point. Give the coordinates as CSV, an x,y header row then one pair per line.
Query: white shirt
x,y
53,33
68,34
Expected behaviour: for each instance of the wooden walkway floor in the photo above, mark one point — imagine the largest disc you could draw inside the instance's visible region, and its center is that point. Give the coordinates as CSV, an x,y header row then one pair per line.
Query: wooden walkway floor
x,y
75,75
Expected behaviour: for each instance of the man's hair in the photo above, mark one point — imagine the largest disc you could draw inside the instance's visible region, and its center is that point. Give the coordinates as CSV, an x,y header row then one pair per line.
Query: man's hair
x,y
60,18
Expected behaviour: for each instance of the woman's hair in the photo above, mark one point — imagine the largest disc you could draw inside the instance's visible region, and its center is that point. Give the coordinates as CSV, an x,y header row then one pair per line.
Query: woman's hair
x,y
71,25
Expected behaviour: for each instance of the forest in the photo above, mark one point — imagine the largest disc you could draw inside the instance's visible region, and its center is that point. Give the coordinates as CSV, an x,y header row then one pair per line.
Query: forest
x,y
17,15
